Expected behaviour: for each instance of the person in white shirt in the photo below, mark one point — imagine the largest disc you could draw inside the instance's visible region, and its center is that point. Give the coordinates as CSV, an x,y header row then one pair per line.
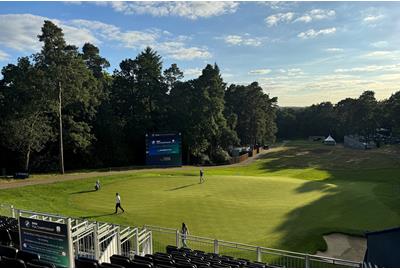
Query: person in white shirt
x,y
118,203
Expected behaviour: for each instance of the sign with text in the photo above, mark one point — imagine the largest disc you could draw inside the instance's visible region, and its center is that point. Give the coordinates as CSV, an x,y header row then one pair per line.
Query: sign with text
x,y
48,239
163,149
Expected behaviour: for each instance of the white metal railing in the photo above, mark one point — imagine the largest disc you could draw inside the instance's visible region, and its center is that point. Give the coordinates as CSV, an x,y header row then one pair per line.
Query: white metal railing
x,y
97,240
272,256
93,239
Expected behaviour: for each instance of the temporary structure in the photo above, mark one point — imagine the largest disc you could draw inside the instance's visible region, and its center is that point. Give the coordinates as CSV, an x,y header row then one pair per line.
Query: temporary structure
x,y
330,141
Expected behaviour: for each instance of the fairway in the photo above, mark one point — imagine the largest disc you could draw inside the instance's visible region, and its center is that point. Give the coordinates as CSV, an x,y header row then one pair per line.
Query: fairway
x,y
287,198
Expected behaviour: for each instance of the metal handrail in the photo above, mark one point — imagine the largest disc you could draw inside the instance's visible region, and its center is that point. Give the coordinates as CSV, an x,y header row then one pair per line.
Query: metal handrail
x,y
84,228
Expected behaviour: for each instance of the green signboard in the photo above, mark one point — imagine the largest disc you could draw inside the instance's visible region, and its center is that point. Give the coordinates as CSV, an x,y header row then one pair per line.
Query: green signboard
x,y
48,239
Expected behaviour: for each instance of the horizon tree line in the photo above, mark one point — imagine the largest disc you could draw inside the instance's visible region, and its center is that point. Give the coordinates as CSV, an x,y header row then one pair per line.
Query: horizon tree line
x,y
351,116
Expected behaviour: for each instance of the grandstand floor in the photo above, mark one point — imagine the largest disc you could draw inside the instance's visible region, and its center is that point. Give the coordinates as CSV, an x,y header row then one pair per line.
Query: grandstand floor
x,y
287,199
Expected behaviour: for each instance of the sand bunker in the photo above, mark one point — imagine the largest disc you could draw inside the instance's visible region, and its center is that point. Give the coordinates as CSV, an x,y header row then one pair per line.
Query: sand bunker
x,y
345,247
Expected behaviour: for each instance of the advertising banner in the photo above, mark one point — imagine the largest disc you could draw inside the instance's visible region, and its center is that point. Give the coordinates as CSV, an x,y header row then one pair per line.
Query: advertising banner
x,y
48,239
163,149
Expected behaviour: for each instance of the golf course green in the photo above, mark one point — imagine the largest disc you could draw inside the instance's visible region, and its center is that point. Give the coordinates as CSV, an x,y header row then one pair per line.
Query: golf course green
x,y
286,198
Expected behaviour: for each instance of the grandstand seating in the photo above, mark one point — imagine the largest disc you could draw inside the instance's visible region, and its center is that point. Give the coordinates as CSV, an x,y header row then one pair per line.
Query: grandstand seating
x,y
184,258
174,257
83,262
27,256
7,251
9,233
40,264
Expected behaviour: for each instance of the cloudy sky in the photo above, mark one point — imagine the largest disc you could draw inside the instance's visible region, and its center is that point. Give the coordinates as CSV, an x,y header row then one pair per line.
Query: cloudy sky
x,y
302,52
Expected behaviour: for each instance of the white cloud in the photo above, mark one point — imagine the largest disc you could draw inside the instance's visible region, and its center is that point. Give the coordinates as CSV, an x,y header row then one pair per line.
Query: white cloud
x,y
373,18
278,4
378,54
314,33
370,68
380,44
279,17
291,72
295,72
72,2
334,50
238,40
320,14
22,35
311,89
387,55
128,39
312,15
191,10
316,14
259,71
3,55
192,72
19,32
177,50
304,18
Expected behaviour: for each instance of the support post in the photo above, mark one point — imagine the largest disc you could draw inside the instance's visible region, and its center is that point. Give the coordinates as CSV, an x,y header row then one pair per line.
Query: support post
x,y
259,258
137,242
150,243
216,247
178,242
118,240
96,242
70,246
12,211
60,128
307,261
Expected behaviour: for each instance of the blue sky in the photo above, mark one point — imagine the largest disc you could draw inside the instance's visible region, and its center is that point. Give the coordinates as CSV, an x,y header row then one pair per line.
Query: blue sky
x,y
302,52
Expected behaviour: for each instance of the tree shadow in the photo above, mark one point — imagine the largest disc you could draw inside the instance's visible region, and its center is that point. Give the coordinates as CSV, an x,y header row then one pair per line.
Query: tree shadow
x,y
353,198
84,191
181,187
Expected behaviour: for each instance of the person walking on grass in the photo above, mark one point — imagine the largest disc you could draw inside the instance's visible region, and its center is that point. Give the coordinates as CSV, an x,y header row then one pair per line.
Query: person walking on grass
x,y
184,232
201,176
118,203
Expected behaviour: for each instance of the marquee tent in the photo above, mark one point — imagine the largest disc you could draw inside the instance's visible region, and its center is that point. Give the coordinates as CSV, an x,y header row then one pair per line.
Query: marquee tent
x,y
330,141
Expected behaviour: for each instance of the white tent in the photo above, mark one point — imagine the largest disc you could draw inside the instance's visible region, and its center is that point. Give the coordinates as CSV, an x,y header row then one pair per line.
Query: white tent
x,y
330,141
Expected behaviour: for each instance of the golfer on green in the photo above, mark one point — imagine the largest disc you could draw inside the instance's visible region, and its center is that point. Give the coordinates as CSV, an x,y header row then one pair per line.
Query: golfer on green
x,y
201,175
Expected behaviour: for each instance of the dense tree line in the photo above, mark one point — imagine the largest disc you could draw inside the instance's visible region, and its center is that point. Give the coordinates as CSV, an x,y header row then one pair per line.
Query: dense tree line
x,y
351,116
61,104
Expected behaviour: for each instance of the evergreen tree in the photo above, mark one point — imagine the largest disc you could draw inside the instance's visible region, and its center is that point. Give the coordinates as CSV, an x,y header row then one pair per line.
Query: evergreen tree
x,y
72,92
24,125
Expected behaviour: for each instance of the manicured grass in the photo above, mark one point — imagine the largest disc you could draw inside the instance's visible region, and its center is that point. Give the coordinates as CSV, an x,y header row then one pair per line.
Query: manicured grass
x,y
287,199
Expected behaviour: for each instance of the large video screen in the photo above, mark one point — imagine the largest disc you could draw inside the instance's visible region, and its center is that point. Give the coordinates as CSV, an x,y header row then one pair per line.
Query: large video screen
x,y
163,149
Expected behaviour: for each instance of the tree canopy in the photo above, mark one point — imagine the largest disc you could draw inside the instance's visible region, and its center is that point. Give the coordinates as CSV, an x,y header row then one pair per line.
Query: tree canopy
x,y
63,102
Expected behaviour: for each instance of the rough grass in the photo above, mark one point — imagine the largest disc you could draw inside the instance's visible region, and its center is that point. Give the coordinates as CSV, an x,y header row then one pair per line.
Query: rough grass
x,y
286,199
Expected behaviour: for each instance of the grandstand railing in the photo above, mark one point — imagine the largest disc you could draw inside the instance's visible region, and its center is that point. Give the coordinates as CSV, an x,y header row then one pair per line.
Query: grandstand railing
x,y
168,236
96,240
100,240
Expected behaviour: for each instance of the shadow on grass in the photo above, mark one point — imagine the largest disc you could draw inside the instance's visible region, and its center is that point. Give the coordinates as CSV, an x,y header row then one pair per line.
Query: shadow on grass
x,y
101,215
181,187
353,198
83,191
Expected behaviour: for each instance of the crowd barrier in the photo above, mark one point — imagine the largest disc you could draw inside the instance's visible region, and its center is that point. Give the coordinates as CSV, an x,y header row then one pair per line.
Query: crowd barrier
x,y
100,240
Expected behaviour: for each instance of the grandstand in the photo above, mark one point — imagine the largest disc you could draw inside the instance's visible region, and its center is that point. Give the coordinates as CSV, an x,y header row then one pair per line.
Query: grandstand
x,y
99,244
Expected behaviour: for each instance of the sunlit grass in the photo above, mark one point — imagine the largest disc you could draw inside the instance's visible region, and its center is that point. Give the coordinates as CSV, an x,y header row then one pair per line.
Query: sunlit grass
x,y
287,199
